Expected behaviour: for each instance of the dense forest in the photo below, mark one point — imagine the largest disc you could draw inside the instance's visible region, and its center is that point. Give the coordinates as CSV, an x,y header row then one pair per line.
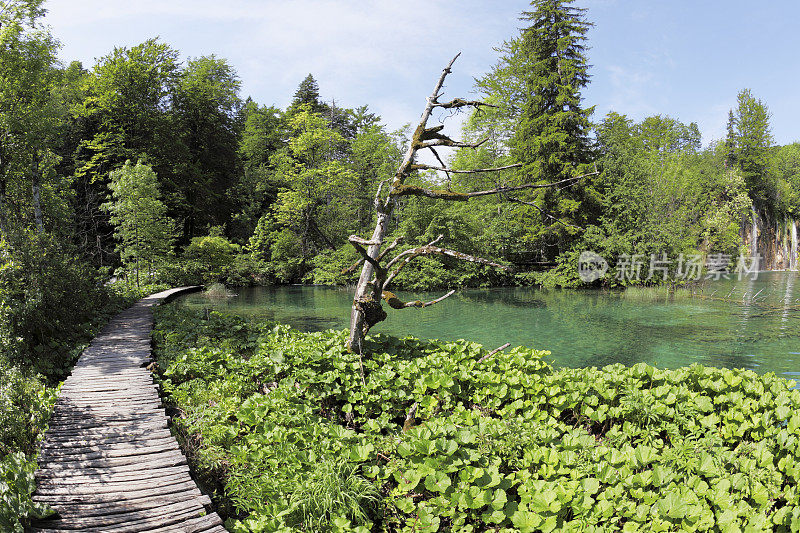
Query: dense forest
x,y
146,169
151,168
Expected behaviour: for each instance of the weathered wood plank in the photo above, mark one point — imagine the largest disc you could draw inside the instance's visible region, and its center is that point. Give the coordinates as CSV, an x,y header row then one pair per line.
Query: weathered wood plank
x,y
168,491
70,441
101,509
109,453
193,526
87,446
155,475
131,517
110,430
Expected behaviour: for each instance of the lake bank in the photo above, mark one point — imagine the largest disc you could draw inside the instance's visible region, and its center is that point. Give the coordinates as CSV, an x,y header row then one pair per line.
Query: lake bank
x,y
753,324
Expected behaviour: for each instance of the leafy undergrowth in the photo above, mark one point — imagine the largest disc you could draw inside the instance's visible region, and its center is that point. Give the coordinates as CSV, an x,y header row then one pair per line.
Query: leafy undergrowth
x,y
297,440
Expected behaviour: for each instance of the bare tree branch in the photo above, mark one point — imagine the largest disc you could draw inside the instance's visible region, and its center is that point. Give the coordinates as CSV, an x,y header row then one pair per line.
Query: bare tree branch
x,y
439,159
413,190
421,166
396,303
544,213
447,141
410,251
402,259
460,102
398,240
496,350
377,200
359,243
388,249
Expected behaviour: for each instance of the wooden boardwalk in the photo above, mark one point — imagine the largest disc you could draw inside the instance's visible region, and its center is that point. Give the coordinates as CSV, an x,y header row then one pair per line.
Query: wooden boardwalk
x,y
108,461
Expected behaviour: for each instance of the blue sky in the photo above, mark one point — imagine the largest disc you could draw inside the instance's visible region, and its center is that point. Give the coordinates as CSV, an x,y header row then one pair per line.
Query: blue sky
x,y
687,59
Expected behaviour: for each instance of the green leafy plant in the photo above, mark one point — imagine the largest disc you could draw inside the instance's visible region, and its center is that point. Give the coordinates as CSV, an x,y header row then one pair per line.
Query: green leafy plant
x,y
426,435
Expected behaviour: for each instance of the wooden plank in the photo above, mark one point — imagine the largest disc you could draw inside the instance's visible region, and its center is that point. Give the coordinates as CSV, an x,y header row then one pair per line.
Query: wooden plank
x,y
109,453
125,506
70,441
177,483
121,419
88,446
157,475
114,462
110,430
193,526
55,470
192,507
167,491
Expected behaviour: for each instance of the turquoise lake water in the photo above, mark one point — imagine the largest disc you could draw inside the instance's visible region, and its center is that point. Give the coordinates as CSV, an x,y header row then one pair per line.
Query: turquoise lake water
x,y
751,324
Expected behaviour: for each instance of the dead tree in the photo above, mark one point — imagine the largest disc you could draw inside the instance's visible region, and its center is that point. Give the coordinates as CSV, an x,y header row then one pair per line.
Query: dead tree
x,y
378,271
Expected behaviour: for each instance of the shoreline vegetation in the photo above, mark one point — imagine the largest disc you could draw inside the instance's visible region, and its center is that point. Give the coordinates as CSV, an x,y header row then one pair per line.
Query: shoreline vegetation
x,y
291,432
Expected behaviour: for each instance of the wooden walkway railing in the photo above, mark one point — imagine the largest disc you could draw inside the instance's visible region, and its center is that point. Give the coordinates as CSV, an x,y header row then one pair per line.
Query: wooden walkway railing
x,y
108,461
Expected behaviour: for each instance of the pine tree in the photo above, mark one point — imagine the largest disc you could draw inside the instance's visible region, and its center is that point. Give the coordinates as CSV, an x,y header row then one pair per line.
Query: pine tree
x,y
307,94
730,141
552,139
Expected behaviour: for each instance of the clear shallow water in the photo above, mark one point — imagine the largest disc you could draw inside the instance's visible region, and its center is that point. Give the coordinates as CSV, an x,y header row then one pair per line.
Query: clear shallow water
x,y
751,324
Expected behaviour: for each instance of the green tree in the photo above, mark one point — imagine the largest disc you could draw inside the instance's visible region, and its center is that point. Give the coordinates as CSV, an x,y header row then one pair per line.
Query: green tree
x,y
206,107
128,99
752,141
256,189
307,94
314,201
29,119
541,122
208,258
143,230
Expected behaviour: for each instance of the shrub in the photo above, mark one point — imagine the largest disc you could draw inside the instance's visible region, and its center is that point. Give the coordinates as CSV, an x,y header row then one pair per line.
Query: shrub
x,y
208,258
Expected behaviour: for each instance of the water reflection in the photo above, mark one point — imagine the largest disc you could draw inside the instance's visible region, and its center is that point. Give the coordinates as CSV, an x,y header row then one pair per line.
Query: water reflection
x,y
749,323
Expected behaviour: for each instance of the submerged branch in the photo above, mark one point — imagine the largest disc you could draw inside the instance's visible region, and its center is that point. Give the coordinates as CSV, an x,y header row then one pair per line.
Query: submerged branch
x,y
396,303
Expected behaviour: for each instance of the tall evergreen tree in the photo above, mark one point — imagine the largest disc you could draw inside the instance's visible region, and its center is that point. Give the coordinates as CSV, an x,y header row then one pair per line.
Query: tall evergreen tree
x,y
537,85
753,141
307,94
730,141
552,138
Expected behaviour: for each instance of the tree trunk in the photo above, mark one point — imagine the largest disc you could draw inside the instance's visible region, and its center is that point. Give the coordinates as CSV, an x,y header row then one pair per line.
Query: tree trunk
x,y
367,308
36,187
3,221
